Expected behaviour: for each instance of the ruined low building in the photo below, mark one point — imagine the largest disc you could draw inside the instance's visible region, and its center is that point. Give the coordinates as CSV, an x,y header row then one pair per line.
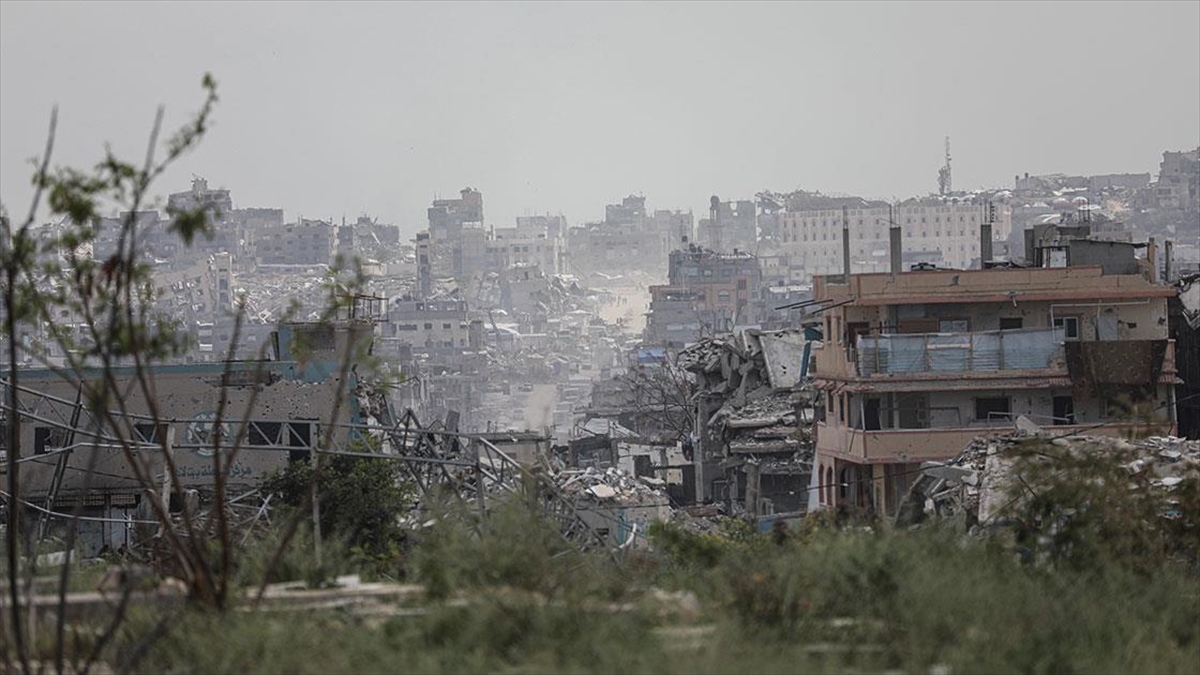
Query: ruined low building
x,y
280,408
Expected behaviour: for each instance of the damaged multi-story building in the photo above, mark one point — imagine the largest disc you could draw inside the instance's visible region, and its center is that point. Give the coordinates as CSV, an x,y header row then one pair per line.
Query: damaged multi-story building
x,y
730,226
456,235
629,238
938,230
752,444
304,243
916,364
706,293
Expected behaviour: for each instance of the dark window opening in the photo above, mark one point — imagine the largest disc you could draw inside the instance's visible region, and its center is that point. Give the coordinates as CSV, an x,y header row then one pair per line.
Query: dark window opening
x,y
46,439
991,408
871,414
913,411
299,436
1011,323
1070,326
265,433
149,433
1064,410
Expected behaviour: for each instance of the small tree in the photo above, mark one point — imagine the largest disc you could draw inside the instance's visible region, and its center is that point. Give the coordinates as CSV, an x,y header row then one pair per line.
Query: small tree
x,y
111,297
659,397
362,501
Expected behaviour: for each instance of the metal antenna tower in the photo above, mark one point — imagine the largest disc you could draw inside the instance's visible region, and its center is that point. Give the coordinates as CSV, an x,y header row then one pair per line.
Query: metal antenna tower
x,y
944,186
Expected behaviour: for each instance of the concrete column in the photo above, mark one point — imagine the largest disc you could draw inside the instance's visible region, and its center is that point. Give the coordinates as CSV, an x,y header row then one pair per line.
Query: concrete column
x,y
753,478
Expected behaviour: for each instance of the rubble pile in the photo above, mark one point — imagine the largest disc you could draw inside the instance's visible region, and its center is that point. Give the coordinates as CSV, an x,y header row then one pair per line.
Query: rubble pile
x,y
755,415
699,520
977,485
760,409
727,365
610,485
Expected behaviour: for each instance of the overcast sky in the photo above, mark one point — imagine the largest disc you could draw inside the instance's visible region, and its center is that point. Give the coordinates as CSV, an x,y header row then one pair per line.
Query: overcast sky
x,y
338,109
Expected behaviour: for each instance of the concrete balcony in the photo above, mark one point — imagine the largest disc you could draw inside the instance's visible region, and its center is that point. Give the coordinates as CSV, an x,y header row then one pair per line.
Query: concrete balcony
x,y
900,354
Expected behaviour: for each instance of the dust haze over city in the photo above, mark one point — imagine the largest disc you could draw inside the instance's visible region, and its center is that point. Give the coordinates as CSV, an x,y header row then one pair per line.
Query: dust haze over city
x,y
721,336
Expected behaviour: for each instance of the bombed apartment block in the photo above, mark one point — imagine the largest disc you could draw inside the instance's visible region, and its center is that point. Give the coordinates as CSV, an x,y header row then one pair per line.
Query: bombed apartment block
x,y
629,238
440,326
517,246
916,364
300,244
707,292
675,318
753,441
456,234
730,226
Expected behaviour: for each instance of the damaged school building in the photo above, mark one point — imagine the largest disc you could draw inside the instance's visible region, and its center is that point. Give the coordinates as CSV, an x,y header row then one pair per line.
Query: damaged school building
x,y
70,454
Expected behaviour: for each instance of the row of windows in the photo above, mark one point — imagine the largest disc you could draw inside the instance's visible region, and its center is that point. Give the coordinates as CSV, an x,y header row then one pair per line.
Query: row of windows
x,y
835,223
937,234
428,326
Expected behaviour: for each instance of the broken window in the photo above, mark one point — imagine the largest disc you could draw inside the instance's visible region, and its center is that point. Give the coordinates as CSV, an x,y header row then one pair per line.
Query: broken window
x,y
299,436
149,433
265,433
46,439
992,408
1064,410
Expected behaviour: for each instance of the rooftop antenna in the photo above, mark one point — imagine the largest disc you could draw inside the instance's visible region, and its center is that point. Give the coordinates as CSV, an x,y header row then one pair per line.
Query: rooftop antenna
x,y
944,173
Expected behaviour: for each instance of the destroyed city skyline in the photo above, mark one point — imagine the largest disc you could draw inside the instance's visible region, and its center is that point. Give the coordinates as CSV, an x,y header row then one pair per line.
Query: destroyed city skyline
x,y
599,338
377,108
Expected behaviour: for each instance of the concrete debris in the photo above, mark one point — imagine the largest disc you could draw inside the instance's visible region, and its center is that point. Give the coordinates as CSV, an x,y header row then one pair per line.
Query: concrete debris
x,y
699,520
610,485
755,418
976,487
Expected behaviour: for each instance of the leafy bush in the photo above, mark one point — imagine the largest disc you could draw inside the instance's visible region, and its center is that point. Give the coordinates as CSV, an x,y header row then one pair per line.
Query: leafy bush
x,y
361,503
1083,508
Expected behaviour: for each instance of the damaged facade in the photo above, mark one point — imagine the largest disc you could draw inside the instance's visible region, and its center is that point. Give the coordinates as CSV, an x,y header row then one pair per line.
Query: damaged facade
x,y
284,404
752,445
916,364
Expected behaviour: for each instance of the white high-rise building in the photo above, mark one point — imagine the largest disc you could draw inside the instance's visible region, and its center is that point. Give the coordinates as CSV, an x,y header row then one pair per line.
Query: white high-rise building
x,y
945,231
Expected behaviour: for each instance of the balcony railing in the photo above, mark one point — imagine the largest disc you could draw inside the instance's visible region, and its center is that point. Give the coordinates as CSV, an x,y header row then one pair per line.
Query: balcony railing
x,y
1036,348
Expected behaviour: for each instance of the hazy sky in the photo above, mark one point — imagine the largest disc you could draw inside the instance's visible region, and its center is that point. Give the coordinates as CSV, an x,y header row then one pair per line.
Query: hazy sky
x,y
332,109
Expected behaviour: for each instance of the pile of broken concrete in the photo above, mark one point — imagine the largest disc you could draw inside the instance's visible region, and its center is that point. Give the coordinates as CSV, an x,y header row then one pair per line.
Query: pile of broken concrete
x,y
610,485
977,486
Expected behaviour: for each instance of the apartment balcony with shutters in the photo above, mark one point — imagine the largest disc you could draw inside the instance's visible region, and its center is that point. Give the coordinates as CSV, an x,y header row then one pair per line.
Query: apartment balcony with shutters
x,y
949,355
